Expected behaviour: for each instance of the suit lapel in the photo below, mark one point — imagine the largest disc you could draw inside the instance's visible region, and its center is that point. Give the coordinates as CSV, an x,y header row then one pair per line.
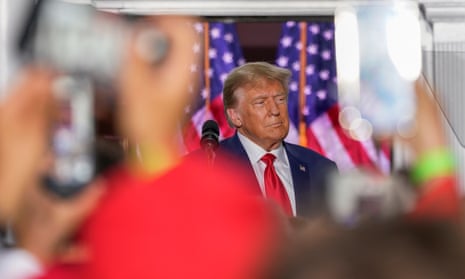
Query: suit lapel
x,y
233,146
300,180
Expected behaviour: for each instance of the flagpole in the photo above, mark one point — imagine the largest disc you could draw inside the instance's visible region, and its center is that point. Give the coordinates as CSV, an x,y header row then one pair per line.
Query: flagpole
x,y
302,84
206,63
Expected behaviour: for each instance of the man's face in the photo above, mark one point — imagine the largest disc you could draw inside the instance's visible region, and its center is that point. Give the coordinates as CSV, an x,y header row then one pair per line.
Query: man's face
x,y
261,113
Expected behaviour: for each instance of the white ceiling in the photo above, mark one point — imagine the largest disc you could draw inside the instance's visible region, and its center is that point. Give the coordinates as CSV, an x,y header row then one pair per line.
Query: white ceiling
x,y
221,7
435,10
444,10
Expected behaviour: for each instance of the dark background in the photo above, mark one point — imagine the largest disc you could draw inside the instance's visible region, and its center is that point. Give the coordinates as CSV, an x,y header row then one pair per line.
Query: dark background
x,y
259,40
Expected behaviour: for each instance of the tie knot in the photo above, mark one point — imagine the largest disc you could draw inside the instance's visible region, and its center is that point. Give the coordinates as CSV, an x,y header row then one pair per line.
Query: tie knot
x,y
268,158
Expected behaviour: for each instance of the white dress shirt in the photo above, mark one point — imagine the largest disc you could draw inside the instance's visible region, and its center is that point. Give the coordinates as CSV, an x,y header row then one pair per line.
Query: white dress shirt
x,y
281,164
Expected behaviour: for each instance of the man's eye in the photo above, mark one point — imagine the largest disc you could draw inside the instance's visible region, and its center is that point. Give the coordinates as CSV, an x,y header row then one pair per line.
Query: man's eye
x,y
259,103
281,99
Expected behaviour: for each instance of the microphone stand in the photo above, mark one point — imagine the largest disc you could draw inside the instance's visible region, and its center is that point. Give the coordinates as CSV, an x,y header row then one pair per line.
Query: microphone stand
x,y
209,148
209,140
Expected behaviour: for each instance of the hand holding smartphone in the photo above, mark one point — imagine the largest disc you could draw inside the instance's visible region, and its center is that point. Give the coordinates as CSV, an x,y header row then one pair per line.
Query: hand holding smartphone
x,y
88,48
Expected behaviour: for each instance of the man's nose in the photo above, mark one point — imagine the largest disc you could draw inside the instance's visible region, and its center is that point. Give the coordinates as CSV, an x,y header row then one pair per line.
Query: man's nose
x,y
273,108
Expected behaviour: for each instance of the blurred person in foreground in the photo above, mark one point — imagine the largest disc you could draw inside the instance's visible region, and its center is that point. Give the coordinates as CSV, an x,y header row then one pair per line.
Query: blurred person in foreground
x,y
163,216
255,103
395,249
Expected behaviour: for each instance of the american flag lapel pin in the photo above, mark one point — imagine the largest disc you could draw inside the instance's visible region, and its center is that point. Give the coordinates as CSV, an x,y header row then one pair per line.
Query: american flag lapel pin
x,y
302,168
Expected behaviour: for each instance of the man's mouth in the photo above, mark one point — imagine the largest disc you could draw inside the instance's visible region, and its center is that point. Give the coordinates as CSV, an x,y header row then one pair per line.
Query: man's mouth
x,y
275,125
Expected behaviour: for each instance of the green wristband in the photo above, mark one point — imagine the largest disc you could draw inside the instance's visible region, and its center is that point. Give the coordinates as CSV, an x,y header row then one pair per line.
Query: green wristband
x,y
435,163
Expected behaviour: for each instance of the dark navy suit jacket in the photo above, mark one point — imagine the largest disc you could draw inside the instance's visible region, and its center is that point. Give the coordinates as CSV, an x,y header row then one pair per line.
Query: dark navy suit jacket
x,y
310,172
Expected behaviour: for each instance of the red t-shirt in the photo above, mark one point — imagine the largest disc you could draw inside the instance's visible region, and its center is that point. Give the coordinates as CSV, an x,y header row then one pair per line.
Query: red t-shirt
x,y
191,222
440,199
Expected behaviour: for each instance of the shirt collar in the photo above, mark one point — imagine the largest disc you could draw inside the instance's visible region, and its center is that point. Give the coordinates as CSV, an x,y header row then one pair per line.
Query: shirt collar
x,y
256,152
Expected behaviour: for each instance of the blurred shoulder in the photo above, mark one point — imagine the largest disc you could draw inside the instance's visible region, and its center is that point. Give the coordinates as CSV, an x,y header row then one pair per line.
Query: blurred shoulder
x,y
227,167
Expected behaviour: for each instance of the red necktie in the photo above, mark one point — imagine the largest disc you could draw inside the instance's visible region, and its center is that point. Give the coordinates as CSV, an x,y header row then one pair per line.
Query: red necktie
x,y
274,187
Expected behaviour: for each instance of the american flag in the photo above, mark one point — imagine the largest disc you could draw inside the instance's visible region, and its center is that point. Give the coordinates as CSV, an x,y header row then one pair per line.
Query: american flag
x,y
224,54
310,47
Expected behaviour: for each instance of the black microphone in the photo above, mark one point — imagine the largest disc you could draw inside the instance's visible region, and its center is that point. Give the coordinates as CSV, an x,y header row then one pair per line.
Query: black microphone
x,y
209,141
210,135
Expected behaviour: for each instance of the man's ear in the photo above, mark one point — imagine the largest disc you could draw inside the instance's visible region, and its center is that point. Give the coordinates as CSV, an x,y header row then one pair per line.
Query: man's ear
x,y
234,117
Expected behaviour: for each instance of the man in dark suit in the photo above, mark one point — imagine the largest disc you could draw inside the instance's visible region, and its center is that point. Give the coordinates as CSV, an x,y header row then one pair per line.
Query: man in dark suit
x,y
255,103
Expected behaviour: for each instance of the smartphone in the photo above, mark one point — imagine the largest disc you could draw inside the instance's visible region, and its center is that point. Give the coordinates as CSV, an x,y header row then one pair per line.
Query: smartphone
x,y
378,47
357,196
78,39
73,161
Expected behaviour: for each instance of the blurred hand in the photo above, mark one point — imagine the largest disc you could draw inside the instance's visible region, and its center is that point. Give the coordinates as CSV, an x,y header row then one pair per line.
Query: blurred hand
x,y
46,223
24,124
429,129
153,97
